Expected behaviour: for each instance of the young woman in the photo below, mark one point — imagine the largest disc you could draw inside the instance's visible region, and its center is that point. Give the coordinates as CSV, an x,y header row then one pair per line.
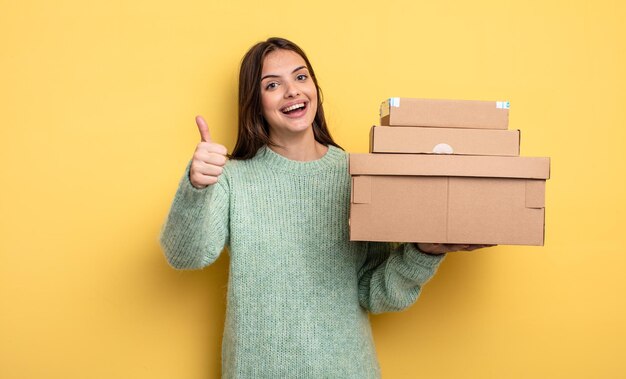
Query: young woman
x,y
299,291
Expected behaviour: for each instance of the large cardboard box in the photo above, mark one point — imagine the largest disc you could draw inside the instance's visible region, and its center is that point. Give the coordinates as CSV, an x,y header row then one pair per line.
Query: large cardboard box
x,y
448,198
420,140
474,114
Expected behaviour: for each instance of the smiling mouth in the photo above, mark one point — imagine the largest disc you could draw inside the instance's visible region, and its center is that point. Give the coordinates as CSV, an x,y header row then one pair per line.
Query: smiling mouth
x,y
294,108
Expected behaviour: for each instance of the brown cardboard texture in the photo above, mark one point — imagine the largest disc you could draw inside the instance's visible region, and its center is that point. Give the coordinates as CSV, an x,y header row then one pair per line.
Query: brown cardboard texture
x,y
421,140
472,114
448,199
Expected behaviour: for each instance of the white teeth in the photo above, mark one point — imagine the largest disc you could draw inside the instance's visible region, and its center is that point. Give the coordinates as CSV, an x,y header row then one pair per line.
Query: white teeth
x,y
295,106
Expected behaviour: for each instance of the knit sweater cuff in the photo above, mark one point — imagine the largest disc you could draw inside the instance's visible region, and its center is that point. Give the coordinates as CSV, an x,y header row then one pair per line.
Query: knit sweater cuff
x,y
417,257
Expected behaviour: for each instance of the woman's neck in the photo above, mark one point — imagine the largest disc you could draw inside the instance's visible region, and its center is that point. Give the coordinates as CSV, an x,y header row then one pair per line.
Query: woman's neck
x,y
299,148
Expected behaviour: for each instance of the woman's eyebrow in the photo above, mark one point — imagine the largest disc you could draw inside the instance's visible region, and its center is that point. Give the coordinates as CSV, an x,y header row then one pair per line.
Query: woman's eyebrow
x,y
278,76
299,68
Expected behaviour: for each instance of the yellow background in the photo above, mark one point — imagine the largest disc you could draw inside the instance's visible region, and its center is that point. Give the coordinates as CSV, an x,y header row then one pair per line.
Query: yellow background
x,y
97,106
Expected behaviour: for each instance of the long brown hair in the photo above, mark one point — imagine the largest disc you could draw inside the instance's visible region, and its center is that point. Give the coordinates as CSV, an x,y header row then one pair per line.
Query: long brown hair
x,y
253,131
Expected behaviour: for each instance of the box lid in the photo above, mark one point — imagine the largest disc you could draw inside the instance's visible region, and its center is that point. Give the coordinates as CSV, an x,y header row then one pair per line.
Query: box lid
x,y
402,111
450,165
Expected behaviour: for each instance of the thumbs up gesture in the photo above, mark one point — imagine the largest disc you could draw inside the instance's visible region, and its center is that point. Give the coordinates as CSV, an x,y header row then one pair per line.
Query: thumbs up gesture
x,y
208,159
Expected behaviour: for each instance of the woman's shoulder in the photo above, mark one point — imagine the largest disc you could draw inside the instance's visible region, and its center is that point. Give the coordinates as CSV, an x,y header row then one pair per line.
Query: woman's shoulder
x,y
234,165
338,155
238,166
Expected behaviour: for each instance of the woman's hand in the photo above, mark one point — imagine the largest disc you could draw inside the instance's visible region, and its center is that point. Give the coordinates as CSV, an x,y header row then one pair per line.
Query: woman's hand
x,y
442,248
208,159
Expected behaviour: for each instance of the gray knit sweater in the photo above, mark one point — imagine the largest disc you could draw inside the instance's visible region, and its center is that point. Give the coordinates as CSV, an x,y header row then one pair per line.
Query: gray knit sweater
x,y
299,290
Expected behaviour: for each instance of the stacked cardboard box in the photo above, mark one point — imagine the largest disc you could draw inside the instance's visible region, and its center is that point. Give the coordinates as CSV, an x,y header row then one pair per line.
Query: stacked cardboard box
x,y
447,171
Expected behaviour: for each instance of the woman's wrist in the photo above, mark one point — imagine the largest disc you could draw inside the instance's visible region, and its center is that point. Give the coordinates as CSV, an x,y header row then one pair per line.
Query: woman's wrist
x,y
428,248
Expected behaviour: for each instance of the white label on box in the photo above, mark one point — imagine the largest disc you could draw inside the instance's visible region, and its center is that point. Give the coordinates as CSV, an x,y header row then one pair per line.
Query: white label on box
x,y
394,101
503,104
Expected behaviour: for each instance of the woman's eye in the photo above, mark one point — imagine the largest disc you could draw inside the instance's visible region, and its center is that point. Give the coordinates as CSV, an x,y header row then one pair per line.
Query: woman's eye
x,y
271,85
301,77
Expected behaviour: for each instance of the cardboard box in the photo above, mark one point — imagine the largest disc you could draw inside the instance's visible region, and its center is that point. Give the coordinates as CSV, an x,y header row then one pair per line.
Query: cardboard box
x,y
420,140
473,114
448,198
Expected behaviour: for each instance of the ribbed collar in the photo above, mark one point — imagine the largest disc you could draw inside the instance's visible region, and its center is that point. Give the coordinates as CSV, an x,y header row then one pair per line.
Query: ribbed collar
x,y
277,161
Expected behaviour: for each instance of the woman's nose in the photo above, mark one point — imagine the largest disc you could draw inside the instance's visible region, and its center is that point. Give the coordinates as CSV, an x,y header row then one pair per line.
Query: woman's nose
x,y
291,90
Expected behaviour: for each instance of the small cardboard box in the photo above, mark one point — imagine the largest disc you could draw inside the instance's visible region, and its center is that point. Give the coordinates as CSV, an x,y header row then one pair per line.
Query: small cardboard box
x,y
473,114
448,198
419,140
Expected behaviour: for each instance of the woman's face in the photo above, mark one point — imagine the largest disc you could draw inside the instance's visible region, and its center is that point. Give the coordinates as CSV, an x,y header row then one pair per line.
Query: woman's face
x,y
288,93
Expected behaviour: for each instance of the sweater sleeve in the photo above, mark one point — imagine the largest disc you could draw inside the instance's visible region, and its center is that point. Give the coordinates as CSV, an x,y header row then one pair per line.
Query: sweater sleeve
x,y
392,279
197,226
